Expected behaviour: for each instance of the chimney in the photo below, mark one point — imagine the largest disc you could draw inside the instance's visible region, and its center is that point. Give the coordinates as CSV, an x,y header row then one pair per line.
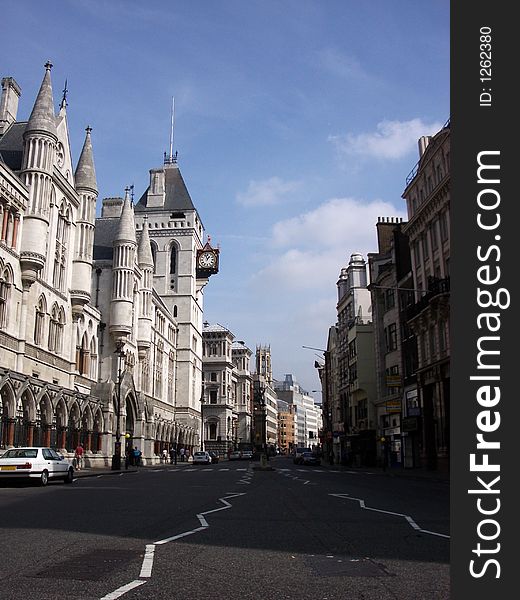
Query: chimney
x,y
423,144
9,103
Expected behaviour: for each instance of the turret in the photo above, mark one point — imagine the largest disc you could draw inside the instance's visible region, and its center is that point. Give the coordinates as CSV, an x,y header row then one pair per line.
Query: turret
x,y
40,140
86,186
145,261
121,305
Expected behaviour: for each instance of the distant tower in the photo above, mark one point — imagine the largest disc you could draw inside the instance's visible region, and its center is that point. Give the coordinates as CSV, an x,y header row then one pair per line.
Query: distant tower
x,y
125,244
40,139
263,363
86,186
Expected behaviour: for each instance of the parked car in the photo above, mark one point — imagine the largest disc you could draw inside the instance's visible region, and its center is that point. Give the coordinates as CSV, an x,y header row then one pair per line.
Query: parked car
x,y
214,457
201,458
235,455
309,458
297,454
247,454
38,463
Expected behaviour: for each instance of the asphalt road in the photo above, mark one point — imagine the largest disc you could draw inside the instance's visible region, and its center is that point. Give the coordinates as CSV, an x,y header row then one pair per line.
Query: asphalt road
x,y
226,531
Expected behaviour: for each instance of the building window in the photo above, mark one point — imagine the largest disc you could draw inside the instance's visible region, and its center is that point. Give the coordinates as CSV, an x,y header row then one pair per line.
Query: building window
x,y
391,337
173,260
60,256
5,291
212,428
433,235
389,298
443,224
56,326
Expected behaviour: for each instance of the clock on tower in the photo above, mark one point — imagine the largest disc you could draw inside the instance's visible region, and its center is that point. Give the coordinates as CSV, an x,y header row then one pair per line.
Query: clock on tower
x,y
207,261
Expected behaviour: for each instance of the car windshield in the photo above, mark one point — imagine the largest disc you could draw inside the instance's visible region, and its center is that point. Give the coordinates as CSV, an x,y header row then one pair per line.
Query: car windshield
x,y
21,453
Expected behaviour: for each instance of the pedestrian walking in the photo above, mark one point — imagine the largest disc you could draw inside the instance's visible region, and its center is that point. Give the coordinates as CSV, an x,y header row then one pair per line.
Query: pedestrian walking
x,y
78,455
137,456
172,455
165,455
182,453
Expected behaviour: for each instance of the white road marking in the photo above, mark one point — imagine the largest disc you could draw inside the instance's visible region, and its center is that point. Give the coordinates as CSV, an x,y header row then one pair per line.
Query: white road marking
x,y
409,519
146,568
147,565
123,589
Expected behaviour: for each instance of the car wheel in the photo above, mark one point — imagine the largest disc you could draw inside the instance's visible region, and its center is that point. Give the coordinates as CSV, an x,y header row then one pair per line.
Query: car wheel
x,y
44,478
69,477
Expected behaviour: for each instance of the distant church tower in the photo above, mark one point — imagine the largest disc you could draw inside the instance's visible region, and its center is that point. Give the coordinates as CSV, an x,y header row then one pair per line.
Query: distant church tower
x,y
263,363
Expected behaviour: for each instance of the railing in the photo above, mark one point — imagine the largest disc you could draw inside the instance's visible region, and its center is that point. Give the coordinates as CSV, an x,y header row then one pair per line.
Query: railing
x,y
435,288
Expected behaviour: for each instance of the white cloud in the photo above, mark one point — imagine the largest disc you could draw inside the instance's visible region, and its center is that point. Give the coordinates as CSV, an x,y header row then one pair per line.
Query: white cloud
x,y
391,140
340,222
309,250
268,192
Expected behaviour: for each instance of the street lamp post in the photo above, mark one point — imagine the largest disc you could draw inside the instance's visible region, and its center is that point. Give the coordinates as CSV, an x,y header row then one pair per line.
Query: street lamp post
x,y
116,458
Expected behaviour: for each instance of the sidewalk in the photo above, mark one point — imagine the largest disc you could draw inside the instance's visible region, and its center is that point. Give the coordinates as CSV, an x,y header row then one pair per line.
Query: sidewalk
x,y
96,471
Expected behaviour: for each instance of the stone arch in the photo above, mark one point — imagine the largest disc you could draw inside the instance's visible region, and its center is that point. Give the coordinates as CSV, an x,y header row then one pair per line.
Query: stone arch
x,y
44,420
98,427
7,411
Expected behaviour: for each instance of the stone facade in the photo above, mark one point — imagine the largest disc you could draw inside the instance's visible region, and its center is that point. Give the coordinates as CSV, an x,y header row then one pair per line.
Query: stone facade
x,y
100,318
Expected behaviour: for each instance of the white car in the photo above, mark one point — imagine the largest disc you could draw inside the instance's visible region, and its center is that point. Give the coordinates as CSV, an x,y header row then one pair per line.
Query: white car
x,y
35,463
201,458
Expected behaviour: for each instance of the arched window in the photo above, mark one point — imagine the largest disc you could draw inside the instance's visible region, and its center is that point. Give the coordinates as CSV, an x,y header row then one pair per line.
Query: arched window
x,y
175,311
39,321
56,326
212,430
5,292
62,238
173,259
153,248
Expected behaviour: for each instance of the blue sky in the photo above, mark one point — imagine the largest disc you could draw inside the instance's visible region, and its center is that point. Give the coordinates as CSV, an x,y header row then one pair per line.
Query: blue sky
x,y
296,125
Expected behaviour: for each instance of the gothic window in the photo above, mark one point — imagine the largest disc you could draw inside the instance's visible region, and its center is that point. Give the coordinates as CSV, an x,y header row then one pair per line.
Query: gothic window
x,y
39,321
60,256
212,431
171,371
159,368
153,248
5,291
93,359
173,259
56,326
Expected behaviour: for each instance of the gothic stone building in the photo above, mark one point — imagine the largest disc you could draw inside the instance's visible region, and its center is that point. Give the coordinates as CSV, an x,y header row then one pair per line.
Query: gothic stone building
x,y
100,319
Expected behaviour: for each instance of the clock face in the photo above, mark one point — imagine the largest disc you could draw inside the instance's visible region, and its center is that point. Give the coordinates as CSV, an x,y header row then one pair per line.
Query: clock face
x,y
207,260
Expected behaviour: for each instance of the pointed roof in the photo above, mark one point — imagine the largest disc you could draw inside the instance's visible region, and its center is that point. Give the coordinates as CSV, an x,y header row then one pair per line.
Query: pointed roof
x,y
42,117
177,198
85,175
126,231
144,250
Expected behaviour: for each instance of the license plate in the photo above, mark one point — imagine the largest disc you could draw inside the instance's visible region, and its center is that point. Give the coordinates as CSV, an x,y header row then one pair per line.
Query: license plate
x,y
13,468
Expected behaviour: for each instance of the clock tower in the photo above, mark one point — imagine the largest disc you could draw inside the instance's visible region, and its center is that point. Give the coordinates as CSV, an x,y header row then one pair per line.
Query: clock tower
x,y
182,266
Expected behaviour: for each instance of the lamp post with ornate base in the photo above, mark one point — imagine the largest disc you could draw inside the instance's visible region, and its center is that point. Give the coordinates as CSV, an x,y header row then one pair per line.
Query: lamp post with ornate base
x,y
116,458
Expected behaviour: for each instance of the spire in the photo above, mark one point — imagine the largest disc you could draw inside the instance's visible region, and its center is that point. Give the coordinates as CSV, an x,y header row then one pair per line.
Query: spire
x,y
63,103
85,175
144,250
126,231
42,117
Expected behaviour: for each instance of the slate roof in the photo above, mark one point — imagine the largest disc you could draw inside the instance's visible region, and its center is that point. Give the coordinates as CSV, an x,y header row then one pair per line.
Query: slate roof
x,y
177,197
104,235
11,146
